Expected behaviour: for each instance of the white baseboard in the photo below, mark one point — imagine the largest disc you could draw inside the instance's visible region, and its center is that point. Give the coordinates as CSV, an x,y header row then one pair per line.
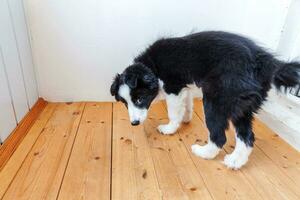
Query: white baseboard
x,y
288,134
282,114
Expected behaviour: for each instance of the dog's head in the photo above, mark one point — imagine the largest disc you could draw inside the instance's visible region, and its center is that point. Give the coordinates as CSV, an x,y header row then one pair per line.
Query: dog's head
x,y
136,87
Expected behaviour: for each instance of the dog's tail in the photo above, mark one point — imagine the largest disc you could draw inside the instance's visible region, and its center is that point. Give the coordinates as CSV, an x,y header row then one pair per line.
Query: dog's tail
x,y
284,74
287,75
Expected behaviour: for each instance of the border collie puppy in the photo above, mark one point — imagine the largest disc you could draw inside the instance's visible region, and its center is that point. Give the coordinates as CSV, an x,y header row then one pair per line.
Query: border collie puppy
x,y
233,72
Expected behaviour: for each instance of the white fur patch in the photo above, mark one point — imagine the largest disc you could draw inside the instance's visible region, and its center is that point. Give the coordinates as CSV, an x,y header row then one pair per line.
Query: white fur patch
x,y
167,129
176,110
188,114
208,151
239,156
180,107
135,113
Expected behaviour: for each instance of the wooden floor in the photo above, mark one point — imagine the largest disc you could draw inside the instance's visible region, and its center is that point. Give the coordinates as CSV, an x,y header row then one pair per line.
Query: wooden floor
x,y
90,151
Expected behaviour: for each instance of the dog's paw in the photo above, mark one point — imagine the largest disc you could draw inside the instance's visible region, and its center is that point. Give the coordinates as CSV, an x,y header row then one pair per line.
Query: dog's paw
x,y
208,151
233,161
167,129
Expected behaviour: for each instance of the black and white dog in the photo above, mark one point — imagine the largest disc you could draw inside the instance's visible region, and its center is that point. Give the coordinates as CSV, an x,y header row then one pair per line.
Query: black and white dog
x,y
233,72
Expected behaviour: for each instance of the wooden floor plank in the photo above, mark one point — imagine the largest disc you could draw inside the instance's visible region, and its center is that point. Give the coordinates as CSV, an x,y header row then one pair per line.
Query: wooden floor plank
x,y
133,174
281,153
14,163
264,175
221,182
178,177
88,172
42,171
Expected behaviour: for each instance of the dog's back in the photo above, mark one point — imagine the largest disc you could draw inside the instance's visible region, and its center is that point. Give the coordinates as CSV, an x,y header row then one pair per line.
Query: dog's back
x,y
223,64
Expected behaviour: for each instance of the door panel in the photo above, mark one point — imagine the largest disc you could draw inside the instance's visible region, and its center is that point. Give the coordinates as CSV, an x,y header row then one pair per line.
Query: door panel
x,y
12,64
20,27
7,117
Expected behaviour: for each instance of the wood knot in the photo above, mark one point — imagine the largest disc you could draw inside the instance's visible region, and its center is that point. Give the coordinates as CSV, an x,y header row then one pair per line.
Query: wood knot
x,y
36,153
193,189
76,113
121,138
97,158
88,121
180,139
128,141
160,148
144,175
198,140
69,103
231,146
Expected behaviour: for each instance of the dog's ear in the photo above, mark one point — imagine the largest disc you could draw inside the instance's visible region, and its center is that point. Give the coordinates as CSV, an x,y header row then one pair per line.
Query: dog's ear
x,y
150,80
115,85
131,80
147,78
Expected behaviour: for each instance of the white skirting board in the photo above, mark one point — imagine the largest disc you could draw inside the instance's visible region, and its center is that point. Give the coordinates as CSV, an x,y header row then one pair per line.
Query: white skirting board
x,y
282,114
290,135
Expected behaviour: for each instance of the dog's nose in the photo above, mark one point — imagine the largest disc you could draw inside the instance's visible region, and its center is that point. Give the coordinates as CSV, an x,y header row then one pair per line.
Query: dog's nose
x,y
135,123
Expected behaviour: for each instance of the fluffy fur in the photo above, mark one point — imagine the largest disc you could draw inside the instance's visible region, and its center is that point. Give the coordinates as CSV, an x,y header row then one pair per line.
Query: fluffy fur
x,y
234,73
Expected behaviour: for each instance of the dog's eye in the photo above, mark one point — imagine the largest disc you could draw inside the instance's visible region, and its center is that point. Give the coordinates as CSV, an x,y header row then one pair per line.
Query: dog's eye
x,y
138,101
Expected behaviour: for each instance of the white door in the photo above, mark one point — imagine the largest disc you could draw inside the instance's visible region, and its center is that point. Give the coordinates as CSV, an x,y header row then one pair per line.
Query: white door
x,y
7,116
18,89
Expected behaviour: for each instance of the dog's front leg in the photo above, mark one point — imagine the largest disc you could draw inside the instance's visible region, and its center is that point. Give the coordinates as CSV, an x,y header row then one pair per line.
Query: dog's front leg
x,y
176,109
188,114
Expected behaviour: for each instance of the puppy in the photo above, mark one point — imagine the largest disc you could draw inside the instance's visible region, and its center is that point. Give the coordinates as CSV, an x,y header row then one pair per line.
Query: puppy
x,y
233,72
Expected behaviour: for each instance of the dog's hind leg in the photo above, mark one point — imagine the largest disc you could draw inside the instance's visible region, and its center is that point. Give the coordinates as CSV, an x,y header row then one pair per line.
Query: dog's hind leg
x,y
216,122
176,110
244,142
188,115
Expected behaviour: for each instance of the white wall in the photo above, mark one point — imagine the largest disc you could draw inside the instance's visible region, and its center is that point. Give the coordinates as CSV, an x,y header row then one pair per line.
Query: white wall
x,y
18,88
289,44
78,45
